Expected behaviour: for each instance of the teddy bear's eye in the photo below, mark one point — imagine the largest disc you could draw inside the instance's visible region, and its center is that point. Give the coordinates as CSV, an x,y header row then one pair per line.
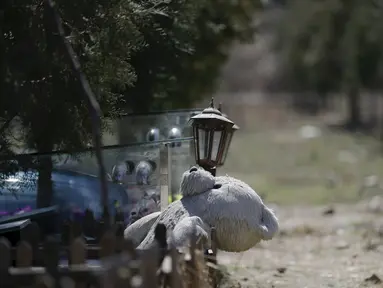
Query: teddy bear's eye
x,y
217,186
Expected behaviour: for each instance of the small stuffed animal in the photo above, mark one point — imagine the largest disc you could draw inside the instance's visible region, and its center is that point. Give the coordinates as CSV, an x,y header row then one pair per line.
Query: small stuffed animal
x,y
143,171
229,205
142,193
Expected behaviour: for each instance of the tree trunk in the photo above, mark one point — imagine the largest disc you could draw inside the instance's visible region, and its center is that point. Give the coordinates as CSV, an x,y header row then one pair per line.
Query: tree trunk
x,y
2,52
380,119
45,167
324,101
44,182
354,116
373,111
42,123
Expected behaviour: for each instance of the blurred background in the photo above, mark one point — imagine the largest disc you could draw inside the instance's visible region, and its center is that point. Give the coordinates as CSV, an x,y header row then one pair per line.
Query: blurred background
x,y
307,96
309,108
302,79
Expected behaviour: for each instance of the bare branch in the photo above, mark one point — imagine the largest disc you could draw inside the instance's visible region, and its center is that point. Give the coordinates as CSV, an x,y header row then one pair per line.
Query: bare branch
x,y
93,105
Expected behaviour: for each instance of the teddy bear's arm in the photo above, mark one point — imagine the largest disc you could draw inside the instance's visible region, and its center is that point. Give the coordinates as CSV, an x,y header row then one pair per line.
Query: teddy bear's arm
x,y
139,229
184,229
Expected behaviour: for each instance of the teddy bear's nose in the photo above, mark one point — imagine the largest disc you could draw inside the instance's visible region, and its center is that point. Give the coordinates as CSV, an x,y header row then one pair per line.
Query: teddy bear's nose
x,y
194,169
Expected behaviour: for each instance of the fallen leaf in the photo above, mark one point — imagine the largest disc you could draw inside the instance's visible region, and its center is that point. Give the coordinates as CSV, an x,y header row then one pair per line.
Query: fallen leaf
x,y
342,245
373,279
281,270
329,211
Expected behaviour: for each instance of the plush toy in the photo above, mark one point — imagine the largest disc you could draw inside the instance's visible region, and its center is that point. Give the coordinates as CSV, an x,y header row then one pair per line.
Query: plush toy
x,y
236,211
143,171
142,193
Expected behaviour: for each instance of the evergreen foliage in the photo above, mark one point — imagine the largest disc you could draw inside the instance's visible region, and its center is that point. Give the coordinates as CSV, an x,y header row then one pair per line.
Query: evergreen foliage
x,y
138,55
333,46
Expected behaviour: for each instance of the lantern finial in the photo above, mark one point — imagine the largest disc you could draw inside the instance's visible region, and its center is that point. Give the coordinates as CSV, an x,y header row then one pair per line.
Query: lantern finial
x,y
212,102
220,107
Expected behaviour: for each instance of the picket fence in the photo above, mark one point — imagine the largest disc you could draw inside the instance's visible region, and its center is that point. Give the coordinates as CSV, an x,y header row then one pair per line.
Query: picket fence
x,y
108,260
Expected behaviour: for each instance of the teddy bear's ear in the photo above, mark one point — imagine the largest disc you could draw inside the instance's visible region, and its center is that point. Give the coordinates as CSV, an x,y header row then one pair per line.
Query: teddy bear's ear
x,y
152,164
129,167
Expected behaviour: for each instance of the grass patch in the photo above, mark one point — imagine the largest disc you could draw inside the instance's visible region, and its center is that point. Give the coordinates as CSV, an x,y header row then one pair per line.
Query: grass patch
x,y
287,169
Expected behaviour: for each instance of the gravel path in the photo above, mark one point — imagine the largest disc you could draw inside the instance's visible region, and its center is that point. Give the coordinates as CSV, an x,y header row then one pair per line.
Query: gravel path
x,y
340,248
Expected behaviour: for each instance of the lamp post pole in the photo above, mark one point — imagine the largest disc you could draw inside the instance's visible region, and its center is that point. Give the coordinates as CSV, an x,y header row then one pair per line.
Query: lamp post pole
x,y
212,170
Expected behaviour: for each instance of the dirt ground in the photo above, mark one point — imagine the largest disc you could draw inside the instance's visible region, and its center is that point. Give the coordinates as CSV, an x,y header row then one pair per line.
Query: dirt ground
x,y
338,246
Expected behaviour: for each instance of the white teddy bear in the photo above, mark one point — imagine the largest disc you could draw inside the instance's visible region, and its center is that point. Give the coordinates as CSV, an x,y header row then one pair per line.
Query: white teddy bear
x,y
236,211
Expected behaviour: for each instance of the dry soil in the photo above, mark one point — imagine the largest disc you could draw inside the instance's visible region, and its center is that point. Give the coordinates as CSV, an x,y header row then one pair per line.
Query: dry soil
x,y
339,246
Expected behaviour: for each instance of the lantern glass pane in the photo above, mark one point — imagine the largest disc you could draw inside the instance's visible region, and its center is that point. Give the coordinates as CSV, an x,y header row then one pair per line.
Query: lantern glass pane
x,y
203,139
193,152
226,147
196,144
215,145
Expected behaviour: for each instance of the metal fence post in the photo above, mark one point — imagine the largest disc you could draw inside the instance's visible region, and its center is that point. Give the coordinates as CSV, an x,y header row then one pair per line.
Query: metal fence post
x,y
170,174
164,177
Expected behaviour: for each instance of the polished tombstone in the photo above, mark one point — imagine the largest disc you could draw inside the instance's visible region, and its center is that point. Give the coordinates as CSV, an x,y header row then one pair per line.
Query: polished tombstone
x,y
12,231
72,191
76,186
46,218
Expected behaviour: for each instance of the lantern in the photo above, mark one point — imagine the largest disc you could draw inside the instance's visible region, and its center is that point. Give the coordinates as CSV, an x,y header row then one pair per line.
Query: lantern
x,y
212,136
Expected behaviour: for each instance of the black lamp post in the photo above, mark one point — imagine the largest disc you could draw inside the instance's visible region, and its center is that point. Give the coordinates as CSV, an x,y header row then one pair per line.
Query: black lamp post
x,y
212,133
